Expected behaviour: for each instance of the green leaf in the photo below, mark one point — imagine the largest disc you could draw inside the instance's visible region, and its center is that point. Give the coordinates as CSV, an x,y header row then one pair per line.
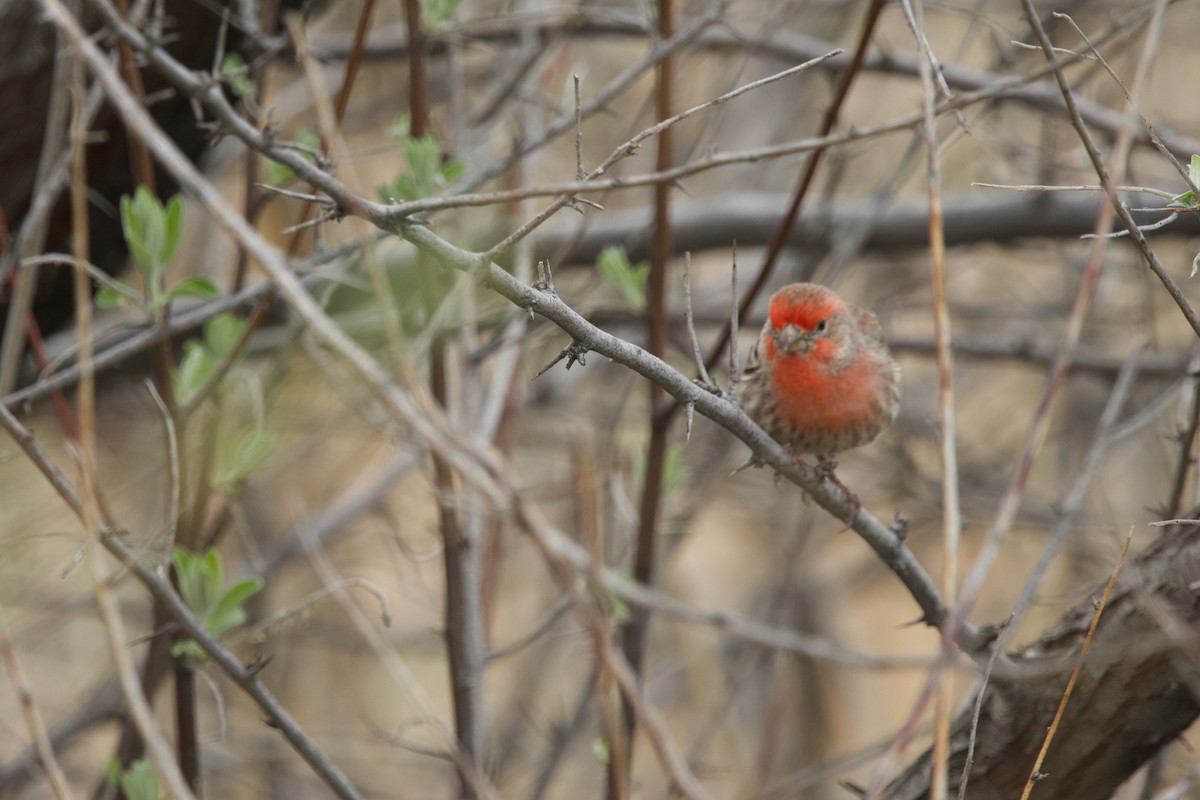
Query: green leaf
x,y
242,457
1188,199
173,227
236,74
402,127
601,750
192,287
211,576
152,233
112,771
452,169
626,278
199,578
426,175
134,239
228,611
279,174
194,370
186,648
109,297
222,333
140,782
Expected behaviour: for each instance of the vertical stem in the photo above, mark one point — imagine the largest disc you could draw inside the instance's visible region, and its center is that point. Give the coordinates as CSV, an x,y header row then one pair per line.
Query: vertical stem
x,y
780,237
634,644
951,515
464,621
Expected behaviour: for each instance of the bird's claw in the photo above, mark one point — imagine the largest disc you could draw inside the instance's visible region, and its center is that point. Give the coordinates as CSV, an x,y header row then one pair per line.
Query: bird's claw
x,y
825,470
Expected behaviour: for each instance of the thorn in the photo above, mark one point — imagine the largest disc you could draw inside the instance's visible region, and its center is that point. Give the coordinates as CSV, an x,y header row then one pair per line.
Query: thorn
x,y
753,461
256,665
899,526
689,409
575,351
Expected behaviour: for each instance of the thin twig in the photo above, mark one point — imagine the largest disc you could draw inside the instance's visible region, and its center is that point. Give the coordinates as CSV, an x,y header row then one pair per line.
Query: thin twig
x,y
832,113
689,409
645,561
629,148
1073,501
1156,22
91,511
969,758
951,511
1083,651
478,465
1102,172
1039,426
33,716
174,488
735,371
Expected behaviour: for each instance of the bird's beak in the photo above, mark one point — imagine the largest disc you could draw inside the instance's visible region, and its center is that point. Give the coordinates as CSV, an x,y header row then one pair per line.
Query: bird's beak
x,y
791,339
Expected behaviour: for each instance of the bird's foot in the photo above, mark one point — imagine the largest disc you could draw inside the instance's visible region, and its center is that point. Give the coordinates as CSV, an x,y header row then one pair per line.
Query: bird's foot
x,y
825,469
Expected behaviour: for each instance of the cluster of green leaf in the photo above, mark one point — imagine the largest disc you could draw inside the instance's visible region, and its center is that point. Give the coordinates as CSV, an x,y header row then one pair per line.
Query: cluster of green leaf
x,y
202,357
627,278
242,450
279,174
200,577
427,172
237,75
240,455
139,782
152,233
438,12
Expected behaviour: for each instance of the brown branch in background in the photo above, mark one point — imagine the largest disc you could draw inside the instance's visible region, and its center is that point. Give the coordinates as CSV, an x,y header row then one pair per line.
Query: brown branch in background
x,y
355,58
477,465
610,661
1070,505
141,165
779,44
253,201
914,11
245,677
1187,459
464,633
780,239
1040,424
649,509
48,182
33,717
140,717
142,168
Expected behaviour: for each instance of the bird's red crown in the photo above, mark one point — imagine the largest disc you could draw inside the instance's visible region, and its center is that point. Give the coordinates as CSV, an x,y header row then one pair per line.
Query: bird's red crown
x,y
803,305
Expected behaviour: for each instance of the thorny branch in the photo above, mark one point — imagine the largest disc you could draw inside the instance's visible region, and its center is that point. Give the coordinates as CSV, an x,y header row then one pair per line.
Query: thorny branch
x,y
479,466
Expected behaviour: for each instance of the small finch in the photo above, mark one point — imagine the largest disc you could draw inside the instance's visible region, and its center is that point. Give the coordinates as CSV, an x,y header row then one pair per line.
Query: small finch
x,y
820,379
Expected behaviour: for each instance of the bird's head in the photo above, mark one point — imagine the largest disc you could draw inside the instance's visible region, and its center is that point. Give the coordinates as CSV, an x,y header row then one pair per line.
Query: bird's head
x,y
804,320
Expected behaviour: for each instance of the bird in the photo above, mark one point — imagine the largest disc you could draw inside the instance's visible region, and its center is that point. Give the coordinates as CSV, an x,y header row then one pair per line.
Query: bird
x,y
820,379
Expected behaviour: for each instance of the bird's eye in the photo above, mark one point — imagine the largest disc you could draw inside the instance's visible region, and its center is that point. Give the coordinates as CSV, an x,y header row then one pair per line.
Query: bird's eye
x,y
821,326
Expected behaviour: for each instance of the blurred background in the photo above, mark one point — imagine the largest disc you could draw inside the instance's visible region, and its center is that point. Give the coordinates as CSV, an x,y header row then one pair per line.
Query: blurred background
x,y
337,507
